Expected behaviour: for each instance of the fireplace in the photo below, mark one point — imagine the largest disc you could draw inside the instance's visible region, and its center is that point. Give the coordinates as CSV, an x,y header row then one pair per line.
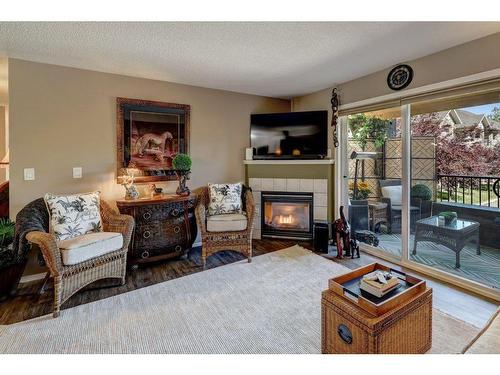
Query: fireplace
x,y
287,215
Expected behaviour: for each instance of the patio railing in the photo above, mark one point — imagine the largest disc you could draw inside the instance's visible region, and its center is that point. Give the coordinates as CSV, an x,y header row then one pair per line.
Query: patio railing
x,y
474,190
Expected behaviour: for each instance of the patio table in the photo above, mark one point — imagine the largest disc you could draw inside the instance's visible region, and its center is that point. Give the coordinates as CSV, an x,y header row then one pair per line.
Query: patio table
x,y
453,236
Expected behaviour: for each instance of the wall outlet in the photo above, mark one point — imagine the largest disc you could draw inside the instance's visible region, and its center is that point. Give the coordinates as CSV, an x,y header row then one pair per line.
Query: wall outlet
x,y
29,174
77,172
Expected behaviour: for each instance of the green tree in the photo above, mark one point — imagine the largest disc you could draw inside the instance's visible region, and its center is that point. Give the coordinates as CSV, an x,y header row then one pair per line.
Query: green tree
x,y
495,114
365,127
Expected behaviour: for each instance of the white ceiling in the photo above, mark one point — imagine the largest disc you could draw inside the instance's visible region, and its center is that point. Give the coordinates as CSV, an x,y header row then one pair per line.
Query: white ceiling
x,y
274,59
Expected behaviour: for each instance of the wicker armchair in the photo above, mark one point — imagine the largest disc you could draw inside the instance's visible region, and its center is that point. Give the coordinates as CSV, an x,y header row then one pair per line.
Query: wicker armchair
x,y
70,279
213,242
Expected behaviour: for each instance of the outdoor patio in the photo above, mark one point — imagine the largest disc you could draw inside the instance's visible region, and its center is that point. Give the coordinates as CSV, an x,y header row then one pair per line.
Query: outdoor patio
x,y
484,268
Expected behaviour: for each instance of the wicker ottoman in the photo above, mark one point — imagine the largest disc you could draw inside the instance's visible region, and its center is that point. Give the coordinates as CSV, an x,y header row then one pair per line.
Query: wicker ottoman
x,y
404,326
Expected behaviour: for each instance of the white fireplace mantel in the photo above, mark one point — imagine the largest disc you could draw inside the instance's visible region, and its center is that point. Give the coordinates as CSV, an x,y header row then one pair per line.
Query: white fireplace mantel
x,y
296,162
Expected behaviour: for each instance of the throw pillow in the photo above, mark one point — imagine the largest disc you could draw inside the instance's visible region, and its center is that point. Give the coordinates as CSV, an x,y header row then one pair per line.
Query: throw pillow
x,y
73,215
224,199
395,193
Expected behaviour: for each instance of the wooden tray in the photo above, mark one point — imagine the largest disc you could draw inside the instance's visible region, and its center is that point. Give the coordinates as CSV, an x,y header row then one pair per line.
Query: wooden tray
x,y
347,286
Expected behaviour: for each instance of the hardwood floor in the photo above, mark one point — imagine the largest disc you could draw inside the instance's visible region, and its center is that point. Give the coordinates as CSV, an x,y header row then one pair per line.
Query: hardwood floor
x,y
29,303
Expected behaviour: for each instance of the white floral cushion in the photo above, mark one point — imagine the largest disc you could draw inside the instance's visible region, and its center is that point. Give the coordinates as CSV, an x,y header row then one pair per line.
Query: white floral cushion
x,y
73,215
224,199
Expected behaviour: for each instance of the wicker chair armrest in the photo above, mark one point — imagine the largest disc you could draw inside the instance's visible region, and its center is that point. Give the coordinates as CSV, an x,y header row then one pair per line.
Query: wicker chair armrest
x,y
119,223
416,202
50,251
389,207
250,208
387,201
201,216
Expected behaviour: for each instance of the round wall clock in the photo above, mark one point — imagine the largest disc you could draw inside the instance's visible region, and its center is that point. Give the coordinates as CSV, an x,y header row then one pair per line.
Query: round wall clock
x,y
400,77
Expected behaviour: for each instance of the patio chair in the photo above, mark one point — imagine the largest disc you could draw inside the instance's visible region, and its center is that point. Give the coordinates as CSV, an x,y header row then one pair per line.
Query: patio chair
x,y
393,198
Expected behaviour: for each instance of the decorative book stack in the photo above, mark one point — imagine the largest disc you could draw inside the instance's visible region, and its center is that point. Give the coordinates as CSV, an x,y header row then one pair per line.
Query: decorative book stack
x,y
379,283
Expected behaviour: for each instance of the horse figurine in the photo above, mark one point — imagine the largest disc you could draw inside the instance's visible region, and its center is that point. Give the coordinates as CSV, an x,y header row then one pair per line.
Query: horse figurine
x,y
341,234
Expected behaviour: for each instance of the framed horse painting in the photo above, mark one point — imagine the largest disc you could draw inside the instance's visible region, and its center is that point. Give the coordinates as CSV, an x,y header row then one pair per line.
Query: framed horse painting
x,y
149,135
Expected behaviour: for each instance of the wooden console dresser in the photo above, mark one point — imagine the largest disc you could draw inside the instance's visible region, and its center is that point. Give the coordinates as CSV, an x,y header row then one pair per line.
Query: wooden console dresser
x,y
165,227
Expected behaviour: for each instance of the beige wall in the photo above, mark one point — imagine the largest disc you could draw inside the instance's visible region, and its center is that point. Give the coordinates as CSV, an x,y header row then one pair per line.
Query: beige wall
x,y
4,100
3,130
62,118
4,83
470,58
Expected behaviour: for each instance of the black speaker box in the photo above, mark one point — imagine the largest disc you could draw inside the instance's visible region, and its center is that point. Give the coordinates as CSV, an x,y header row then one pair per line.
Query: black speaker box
x,y
321,236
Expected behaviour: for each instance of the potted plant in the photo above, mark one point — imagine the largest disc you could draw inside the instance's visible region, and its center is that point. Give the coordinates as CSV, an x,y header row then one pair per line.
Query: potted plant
x,y
450,217
182,165
362,192
6,231
11,264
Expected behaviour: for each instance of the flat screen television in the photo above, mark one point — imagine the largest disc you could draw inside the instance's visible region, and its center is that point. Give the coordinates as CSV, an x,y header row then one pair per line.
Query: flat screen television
x,y
291,135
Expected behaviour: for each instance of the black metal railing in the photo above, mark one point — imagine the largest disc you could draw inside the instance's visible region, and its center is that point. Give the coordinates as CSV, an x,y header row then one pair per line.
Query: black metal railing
x,y
474,190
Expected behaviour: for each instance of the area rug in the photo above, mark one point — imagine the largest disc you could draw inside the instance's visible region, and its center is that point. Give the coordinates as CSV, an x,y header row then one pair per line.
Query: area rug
x,y
271,305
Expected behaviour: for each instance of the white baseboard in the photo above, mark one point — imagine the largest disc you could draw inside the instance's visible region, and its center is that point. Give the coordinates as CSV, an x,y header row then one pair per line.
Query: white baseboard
x,y
31,278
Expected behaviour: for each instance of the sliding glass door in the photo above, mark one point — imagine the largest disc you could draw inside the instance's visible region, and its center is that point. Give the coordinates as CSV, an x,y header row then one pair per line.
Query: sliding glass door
x,y
422,186
455,181
373,179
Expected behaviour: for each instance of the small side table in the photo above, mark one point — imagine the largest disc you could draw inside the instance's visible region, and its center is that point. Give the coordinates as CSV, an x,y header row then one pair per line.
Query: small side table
x,y
355,322
378,214
453,236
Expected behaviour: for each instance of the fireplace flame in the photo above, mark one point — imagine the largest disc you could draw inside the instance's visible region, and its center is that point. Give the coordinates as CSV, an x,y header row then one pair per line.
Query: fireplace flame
x,y
285,219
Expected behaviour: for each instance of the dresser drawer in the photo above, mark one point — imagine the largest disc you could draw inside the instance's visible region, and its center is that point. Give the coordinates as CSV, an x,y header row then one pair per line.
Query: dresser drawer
x,y
149,214
175,210
164,233
147,236
148,253
164,228
153,213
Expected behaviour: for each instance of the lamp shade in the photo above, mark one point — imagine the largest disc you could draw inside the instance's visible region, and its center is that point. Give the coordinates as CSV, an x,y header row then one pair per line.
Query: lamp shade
x,y
359,155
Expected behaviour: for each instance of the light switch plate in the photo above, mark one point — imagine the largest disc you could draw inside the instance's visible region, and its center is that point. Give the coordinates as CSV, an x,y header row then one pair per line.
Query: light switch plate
x,y
29,174
77,172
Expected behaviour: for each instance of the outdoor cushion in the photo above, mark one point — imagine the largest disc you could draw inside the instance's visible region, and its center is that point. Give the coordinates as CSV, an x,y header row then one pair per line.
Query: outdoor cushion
x,y
73,215
394,193
224,199
226,223
79,249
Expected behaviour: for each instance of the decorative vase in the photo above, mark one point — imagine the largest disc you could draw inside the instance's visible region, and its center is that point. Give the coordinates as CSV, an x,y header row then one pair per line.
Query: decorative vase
x,y
131,192
183,176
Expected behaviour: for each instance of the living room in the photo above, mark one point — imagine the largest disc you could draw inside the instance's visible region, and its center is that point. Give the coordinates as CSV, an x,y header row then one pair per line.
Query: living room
x,y
203,188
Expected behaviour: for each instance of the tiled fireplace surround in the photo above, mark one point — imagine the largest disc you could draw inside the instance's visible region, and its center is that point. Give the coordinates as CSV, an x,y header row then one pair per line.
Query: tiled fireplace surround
x,y
319,188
